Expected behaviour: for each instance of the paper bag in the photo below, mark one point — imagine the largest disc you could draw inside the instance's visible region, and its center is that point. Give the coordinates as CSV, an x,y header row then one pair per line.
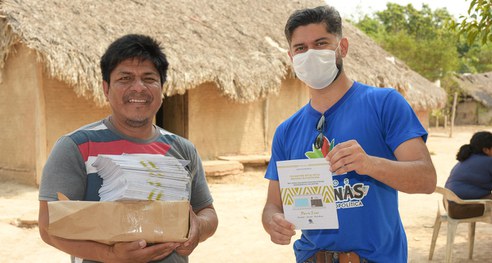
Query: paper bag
x,y
122,221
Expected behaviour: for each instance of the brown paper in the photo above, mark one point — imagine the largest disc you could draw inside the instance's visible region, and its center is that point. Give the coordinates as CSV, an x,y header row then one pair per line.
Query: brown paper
x,y
61,196
122,221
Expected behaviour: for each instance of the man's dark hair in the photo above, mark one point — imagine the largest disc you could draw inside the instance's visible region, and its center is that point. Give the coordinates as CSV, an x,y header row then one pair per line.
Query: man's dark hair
x,y
133,46
318,15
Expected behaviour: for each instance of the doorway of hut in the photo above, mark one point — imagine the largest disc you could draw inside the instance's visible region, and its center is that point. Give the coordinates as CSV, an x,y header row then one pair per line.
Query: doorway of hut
x,y
173,115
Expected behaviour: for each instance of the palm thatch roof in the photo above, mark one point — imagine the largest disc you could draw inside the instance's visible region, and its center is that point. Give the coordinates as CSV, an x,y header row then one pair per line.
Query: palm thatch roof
x,y
237,44
478,86
367,62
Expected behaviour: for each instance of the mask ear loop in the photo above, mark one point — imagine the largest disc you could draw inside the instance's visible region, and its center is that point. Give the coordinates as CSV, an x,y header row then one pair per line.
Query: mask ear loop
x,y
338,45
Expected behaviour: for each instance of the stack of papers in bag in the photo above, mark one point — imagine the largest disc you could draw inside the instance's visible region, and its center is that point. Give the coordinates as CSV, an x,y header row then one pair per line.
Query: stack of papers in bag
x,y
142,177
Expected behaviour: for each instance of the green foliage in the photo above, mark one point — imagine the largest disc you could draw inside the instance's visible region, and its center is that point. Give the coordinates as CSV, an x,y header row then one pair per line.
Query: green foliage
x,y
424,41
417,37
372,27
478,24
475,58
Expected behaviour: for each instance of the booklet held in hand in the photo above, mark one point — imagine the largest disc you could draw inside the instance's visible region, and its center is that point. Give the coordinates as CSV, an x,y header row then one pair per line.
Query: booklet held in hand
x,y
308,198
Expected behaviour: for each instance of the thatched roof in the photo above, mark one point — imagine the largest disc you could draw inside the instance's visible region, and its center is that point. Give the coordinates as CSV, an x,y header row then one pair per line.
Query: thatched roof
x,y
369,63
237,44
478,86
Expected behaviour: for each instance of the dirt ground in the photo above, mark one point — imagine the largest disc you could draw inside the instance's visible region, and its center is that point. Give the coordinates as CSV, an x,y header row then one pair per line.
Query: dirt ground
x,y
239,201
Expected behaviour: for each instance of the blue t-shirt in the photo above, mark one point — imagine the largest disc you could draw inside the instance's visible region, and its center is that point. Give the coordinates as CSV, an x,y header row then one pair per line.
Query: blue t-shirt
x,y
472,178
380,119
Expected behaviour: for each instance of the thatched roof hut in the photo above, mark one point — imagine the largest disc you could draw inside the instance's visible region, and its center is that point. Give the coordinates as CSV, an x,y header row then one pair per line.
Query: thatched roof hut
x,y
230,81
229,43
475,105
478,86
238,48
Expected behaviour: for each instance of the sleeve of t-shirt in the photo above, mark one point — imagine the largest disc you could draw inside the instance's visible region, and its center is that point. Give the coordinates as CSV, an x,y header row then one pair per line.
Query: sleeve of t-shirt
x,y
63,172
400,121
200,193
278,154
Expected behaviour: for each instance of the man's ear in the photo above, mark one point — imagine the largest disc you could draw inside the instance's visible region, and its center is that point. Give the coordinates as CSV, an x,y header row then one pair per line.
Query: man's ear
x,y
106,89
344,45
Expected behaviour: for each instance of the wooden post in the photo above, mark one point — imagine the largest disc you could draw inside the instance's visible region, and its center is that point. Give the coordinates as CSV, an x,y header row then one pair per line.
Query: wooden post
x,y
453,114
266,119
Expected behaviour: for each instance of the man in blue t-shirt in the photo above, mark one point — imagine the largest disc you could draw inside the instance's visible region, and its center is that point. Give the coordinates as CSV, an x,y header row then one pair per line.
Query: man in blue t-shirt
x,y
370,136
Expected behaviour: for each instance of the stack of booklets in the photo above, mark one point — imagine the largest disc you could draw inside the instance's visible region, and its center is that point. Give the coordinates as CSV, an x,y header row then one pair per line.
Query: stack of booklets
x,y
142,177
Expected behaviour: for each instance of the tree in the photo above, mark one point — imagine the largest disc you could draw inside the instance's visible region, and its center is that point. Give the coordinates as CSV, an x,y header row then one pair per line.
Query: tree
x,y
478,24
475,58
417,37
422,39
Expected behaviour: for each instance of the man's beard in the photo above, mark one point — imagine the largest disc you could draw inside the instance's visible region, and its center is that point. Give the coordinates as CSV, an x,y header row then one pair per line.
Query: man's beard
x,y
339,64
137,123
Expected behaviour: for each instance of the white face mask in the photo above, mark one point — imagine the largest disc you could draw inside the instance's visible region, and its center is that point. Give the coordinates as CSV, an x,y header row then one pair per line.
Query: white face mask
x,y
316,68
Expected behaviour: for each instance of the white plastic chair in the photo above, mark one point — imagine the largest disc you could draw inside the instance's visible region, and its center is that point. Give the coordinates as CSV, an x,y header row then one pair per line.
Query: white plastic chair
x,y
448,195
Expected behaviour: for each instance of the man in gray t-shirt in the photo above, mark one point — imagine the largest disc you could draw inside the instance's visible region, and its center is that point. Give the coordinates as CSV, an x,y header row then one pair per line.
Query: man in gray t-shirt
x,y
134,70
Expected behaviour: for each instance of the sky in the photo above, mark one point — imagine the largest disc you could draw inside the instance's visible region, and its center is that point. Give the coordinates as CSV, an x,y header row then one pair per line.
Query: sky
x,y
352,9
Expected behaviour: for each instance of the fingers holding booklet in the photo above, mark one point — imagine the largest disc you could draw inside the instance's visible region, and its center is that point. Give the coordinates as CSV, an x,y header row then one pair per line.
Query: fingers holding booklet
x,y
282,230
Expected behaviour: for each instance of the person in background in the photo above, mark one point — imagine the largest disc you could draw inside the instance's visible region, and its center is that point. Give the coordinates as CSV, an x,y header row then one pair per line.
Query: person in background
x,y
471,177
371,137
134,70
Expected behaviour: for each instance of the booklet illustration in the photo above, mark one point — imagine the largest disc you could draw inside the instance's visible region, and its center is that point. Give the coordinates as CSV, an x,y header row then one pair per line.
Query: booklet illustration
x,y
308,198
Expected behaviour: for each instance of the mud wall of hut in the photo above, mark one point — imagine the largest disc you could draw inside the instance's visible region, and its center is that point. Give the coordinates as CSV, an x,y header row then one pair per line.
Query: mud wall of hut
x,y
22,121
38,110
219,126
65,111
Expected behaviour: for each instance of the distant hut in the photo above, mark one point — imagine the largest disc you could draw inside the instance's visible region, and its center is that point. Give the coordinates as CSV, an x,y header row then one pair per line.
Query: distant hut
x,y
475,104
230,81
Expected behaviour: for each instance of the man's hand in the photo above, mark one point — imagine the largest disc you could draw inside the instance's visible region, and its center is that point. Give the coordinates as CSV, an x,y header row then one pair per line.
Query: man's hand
x,y
281,231
349,156
203,224
187,247
411,172
138,251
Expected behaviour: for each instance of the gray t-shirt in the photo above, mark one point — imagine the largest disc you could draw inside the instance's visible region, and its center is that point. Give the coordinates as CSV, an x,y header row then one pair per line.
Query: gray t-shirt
x,y
69,167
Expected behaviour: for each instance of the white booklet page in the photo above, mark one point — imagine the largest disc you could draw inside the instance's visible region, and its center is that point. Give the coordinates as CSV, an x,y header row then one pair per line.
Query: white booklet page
x,y
308,198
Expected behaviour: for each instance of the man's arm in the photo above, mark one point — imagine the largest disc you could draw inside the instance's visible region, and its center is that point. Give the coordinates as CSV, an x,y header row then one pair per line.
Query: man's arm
x,y
208,222
203,224
280,230
413,172
136,251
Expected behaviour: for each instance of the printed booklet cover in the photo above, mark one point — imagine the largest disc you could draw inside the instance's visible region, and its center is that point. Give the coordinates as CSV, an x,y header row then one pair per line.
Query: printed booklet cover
x,y
308,198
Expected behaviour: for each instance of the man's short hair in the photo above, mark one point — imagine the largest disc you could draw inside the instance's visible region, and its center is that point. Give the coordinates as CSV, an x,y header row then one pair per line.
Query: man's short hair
x,y
327,15
133,46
